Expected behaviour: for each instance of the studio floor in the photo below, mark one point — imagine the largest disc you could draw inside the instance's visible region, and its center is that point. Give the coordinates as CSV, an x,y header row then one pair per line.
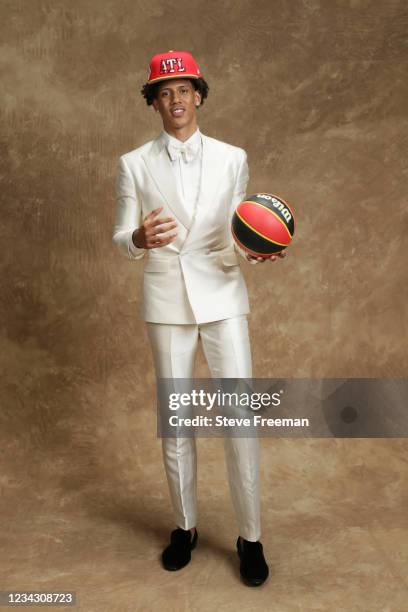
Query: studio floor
x,y
334,517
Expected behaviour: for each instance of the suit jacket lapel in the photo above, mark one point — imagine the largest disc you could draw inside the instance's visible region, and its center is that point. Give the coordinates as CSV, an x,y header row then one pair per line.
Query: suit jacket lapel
x,y
159,166
212,170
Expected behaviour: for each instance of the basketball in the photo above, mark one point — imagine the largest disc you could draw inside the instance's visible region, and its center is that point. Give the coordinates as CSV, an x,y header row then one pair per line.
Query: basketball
x,y
263,225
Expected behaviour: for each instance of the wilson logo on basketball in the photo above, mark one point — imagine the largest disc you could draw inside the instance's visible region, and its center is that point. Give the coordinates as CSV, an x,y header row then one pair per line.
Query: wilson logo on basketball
x,y
277,204
171,64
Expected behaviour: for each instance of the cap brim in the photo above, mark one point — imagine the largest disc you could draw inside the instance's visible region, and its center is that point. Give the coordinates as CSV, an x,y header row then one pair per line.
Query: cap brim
x,y
173,76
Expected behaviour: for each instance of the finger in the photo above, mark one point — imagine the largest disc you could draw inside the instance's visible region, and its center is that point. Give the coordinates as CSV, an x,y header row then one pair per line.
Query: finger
x,y
159,220
155,211
282,254
161,242
150,216
161,239
164,227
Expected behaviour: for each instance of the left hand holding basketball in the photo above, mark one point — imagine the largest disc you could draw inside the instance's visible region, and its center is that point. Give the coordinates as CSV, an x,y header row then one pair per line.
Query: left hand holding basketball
x,y
282,255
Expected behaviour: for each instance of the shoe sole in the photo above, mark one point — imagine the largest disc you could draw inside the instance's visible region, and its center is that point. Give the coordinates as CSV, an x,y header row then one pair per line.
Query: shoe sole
x,y
252,584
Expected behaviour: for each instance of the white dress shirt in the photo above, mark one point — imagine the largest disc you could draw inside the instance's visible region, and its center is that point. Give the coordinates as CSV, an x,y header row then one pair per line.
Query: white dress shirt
x,y
186,174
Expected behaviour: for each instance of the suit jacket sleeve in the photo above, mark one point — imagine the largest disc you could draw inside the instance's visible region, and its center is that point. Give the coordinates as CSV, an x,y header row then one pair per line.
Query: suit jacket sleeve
x,y
239,194
128,213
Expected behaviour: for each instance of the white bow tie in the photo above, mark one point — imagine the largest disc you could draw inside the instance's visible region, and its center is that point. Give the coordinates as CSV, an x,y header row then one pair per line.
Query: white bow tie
x,y
188,151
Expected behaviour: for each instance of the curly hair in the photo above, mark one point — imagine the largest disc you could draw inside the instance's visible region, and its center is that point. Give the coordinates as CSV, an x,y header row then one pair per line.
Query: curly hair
x,y
149,91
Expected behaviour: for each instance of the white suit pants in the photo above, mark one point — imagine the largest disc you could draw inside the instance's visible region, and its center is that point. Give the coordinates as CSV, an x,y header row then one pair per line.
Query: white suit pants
x,y
226,346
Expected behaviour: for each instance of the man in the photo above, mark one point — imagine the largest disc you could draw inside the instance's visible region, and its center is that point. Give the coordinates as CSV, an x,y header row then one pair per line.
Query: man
x,y
175,198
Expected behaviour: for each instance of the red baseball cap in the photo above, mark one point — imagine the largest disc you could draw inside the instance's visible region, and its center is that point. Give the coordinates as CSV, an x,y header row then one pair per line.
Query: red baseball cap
x,y
171,65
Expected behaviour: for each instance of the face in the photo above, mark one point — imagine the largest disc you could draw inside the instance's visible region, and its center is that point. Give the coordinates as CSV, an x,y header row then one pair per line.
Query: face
x,y
176,101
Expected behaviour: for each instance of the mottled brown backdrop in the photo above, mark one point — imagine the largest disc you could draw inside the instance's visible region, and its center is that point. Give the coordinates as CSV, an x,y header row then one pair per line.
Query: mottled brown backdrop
x,y
316,92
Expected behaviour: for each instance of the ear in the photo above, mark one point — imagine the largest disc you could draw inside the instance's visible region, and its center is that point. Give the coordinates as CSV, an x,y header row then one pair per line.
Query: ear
x,y
197,100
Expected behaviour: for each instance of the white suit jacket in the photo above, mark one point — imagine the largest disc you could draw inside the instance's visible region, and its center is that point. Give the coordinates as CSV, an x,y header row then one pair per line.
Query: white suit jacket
x,y
196,278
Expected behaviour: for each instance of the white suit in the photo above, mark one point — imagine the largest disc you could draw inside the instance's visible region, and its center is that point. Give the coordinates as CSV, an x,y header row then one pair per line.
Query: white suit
x,y
193,289
196,278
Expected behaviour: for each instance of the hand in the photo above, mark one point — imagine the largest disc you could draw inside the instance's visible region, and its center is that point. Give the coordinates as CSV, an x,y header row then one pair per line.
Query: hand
x,y
282,255
150,234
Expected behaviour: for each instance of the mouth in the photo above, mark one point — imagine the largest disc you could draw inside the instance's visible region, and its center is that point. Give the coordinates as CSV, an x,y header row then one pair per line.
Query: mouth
x,y
178,111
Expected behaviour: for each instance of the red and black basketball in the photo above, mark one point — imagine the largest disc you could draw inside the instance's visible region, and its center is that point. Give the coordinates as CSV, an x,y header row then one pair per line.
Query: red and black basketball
x,y
263,225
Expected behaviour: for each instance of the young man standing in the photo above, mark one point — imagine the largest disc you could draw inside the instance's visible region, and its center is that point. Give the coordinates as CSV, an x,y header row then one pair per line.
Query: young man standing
x,y
175,198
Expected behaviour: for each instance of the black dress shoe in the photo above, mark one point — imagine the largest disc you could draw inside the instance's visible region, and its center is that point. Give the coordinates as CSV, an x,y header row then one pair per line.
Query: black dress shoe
x,y
178,553
253,567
